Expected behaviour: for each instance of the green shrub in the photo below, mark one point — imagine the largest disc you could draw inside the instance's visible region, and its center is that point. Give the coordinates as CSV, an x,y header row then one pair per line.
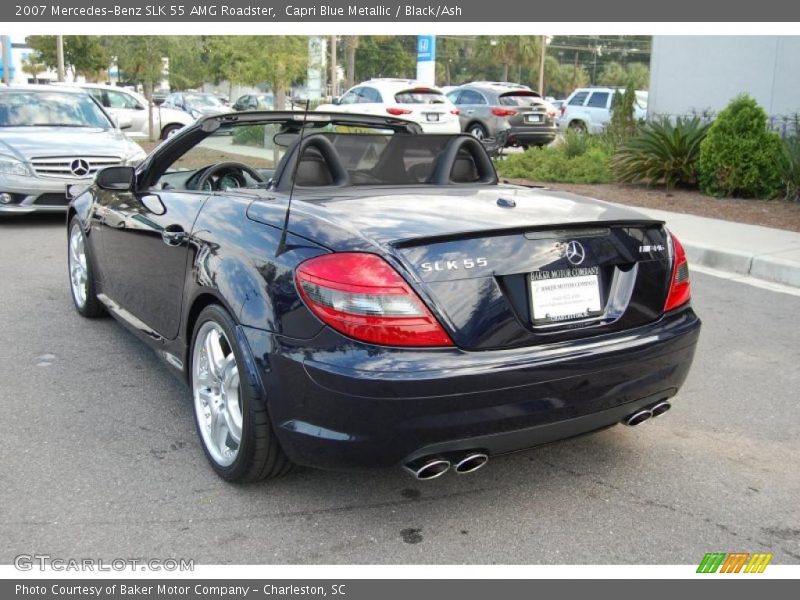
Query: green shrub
x,y
791,168
252,135
552,164
739,156
575,143
662,152
623,124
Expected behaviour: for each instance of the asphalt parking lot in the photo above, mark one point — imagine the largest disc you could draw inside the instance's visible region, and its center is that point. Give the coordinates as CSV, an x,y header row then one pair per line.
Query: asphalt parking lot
x,y
100,456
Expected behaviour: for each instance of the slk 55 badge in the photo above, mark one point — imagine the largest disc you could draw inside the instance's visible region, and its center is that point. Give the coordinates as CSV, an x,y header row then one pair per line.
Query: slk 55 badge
x,y
453,265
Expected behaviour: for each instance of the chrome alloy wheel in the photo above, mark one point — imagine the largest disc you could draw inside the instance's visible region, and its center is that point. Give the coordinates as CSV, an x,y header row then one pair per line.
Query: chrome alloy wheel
x,y
217,394
78,271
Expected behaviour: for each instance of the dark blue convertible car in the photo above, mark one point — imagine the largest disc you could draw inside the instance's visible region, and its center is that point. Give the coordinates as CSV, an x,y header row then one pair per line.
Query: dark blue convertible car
x,y
343,291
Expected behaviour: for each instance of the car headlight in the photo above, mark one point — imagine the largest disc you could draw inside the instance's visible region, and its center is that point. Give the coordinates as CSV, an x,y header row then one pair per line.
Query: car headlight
x,y
11,166
134,157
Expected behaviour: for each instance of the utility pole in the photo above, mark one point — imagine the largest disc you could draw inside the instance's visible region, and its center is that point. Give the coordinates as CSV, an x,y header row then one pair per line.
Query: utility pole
x,y
334,68
6,60
541,65
60,55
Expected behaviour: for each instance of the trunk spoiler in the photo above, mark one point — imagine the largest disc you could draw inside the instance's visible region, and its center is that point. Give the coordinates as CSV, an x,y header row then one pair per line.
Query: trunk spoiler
x,y
460,235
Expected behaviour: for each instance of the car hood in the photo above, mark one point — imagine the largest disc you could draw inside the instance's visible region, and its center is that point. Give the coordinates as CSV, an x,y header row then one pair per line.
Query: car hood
x,y
418,215
30,142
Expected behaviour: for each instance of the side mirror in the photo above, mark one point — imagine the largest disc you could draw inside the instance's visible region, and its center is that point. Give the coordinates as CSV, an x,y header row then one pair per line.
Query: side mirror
x,y
119,179
123,122
335,100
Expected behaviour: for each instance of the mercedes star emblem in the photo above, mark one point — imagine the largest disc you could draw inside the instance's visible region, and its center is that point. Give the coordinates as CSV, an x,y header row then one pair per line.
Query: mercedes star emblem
x,y
79,167
575,252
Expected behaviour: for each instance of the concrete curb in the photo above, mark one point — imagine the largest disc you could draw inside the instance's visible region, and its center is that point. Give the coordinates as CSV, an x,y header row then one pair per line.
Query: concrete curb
x,y
764,266
750,250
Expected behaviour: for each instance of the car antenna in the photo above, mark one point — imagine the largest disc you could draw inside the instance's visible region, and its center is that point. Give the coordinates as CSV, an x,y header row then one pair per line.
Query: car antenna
x,y
282,242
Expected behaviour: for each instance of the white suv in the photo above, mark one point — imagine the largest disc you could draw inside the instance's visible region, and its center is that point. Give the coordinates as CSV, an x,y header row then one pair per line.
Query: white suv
x,y
403,98
128,106
589,109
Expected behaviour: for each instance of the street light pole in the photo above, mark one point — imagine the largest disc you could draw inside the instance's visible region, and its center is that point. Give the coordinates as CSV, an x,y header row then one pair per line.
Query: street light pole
x,y
60,56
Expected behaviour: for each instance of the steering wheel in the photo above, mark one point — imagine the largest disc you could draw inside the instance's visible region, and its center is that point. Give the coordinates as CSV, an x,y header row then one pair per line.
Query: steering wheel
x,y
202,177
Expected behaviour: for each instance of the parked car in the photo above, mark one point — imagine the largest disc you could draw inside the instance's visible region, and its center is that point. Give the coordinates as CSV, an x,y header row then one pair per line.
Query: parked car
x,y
159,95
122,103
196,104
589,109
51,137
265,102
409,310
253,102
489,109
404,98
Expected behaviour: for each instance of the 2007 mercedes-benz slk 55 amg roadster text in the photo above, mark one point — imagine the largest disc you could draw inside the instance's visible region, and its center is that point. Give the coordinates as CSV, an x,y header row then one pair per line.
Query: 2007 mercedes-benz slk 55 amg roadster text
x,y
344,291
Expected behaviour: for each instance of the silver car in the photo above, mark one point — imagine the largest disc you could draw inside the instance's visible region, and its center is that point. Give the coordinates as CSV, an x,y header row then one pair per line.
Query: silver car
x,y
52,137
490,109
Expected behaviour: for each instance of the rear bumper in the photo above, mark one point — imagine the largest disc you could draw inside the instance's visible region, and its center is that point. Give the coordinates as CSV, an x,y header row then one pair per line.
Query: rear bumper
x,y
339,404
532,135
440,127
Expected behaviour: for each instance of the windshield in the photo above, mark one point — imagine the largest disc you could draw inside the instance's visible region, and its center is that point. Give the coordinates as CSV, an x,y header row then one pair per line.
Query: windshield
x,y
202,100
50,109
419,97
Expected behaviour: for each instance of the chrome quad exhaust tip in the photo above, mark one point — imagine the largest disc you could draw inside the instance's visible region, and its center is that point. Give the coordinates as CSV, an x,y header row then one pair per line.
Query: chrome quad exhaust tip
x,y
470,463
637,418
660,408
428,468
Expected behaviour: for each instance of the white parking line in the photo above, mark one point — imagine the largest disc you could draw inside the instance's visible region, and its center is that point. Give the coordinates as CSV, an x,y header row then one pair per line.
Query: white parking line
x,y
747,279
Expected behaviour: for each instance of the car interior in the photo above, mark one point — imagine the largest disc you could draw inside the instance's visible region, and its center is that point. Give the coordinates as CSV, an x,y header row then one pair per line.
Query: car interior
x,y
335,159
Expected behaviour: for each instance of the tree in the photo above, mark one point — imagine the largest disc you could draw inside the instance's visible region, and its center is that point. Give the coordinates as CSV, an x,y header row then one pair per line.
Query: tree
x,y
639,75
565,79
613,75
385,56
350,47
279,60
84,55
189,61
32,66
140,60
449,52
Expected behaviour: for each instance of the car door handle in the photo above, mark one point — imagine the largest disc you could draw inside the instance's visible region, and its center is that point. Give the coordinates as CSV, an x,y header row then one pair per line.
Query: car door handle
x,y
470,111
173,235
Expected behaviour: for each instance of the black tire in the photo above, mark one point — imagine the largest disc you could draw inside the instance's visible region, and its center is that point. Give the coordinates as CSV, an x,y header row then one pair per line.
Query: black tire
x,y
91,307
170,130
578,126
259,455
478,131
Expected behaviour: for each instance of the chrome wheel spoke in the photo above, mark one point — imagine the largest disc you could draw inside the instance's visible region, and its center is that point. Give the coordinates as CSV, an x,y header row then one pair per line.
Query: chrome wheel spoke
x,y
215,386
214,354
78,271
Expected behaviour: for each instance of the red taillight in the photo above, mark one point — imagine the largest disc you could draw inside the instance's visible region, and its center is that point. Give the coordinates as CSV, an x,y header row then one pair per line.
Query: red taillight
x,y
398,111
455,111
680,291
362,296
503,112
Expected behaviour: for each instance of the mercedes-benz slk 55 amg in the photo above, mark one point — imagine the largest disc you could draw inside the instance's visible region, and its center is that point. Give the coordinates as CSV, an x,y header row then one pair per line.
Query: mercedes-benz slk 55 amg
x,y
408,309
